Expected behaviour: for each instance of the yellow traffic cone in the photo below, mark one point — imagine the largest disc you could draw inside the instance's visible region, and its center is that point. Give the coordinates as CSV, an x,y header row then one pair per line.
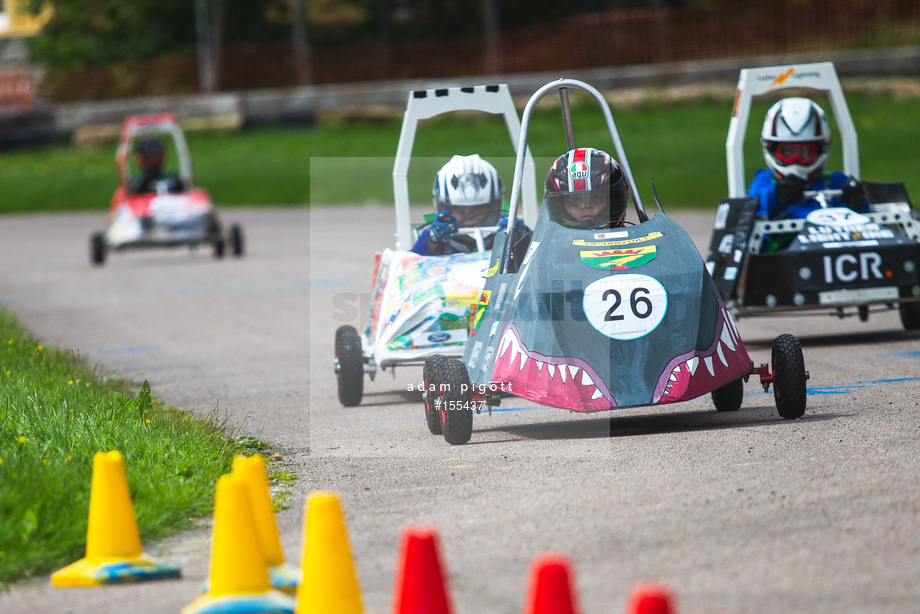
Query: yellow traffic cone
x,y
329,584
113,543
282,575
238,580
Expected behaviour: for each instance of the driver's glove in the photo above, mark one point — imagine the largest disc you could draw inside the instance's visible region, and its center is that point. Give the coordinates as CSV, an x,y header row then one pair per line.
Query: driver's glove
x,y
443,226
790,190
503,224
853,196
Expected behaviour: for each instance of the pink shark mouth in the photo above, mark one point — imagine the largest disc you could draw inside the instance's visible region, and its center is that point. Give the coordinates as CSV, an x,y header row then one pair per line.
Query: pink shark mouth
x,y
700,371
565,382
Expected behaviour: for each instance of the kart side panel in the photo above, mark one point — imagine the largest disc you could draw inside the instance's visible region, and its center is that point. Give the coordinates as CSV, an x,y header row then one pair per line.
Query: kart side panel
x,y
727,249
598,320
421,304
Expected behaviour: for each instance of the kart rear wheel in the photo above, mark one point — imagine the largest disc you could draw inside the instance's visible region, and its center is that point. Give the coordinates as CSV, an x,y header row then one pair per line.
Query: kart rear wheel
x,y
97,249
219,246
730,396
349,365
910,315
789,377
237,246
431,375
456,407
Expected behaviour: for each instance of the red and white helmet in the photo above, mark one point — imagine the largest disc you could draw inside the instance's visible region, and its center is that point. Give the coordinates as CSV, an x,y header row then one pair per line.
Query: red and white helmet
x,y
586,188
796,138
470,188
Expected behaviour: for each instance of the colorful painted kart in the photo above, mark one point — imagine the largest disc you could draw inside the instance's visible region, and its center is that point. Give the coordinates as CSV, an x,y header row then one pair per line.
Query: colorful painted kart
x,y
601,319
420,304
835,260
173,213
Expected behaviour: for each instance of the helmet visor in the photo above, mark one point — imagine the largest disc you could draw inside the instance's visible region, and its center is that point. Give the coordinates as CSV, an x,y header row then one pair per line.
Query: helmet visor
x,y
472,216
589,208
796,153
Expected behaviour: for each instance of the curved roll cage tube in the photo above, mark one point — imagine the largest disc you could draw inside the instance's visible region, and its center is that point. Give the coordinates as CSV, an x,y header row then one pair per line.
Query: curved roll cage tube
x,y
563,85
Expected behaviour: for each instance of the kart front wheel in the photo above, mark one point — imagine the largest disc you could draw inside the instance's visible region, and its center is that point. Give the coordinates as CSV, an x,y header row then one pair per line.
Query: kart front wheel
x,y
349,365
431,374
97,249
789,377
219,247
456,408
237,246
910,315
730,396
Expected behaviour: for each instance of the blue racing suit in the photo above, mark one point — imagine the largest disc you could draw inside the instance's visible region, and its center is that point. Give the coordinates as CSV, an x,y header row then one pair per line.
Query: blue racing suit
x,y
764,188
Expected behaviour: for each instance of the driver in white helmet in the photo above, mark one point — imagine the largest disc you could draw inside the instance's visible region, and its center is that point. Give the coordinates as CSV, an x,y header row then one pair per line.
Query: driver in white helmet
x,y
796,141
467,193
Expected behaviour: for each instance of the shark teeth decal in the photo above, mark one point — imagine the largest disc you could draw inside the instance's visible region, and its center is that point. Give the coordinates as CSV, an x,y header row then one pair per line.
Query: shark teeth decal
x,y
725,360
578,387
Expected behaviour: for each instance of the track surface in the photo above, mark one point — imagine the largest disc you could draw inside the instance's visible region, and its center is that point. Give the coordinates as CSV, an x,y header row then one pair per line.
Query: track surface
x,y
739,512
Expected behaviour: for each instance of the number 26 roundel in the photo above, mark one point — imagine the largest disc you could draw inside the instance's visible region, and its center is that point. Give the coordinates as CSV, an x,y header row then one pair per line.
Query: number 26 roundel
x,y
625,306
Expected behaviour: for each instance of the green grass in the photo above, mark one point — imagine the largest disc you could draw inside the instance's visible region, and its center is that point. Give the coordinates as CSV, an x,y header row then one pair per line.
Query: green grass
x,y
55,414
681,145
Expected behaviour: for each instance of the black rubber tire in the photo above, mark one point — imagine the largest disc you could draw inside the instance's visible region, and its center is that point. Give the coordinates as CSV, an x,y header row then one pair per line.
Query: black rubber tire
x,y
97,249
431,375
730,396
351,365
910,315
789,383
456,394
237,242
219,248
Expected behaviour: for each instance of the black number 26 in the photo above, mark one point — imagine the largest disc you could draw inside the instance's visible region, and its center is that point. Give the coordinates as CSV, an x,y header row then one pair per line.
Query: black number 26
x,y
636,303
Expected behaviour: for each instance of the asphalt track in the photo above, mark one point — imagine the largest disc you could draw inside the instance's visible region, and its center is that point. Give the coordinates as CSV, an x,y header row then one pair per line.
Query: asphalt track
x,y
740,512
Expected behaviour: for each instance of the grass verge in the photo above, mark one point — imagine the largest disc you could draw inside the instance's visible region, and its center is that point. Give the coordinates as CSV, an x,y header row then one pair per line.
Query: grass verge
x,y
678,143
55,414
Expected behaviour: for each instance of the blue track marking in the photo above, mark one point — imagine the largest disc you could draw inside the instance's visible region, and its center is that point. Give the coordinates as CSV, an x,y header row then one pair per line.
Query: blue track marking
x,y
915,354
139,349
846,388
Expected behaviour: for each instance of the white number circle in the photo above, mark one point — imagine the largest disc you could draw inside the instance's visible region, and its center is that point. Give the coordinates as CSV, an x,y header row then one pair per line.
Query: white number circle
x,y
625,306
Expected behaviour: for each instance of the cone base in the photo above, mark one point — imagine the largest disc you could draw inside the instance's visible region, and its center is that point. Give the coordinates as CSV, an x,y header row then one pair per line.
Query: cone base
x,y
285,577
269,602
98,571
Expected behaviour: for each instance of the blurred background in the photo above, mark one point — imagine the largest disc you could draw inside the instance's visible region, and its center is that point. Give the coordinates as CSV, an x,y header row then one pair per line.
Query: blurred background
x,y
73,69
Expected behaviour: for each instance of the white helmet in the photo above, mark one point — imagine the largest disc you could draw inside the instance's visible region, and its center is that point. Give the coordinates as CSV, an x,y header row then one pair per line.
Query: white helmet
x,y
468,182
796,138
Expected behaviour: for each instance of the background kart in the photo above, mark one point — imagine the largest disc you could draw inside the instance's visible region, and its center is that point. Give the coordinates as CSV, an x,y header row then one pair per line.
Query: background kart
x,y
835,259
175,213
420,304
601,319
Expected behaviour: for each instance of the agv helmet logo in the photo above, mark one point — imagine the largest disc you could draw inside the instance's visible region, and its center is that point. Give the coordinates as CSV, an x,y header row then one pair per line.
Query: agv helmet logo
x,y
578,170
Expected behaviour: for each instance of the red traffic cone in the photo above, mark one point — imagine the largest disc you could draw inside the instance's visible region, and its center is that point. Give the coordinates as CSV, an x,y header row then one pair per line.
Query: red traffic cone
x,y
651,599
551,586
420,584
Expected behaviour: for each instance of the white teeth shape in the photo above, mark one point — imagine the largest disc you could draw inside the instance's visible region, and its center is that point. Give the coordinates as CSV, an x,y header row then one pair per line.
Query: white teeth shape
x,y
586,379
539,367
673,377
708,362
562,373
523,361
552,371
727,338
506,341
692,364
597,394
572,370
721,355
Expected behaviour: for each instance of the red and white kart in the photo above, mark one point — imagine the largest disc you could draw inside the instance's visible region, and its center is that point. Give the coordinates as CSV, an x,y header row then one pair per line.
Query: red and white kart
x,y
175,213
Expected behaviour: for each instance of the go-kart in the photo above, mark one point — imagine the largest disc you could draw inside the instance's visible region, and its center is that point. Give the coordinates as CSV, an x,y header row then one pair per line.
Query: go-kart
x,y
173,212
601,319
834,260
420,304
